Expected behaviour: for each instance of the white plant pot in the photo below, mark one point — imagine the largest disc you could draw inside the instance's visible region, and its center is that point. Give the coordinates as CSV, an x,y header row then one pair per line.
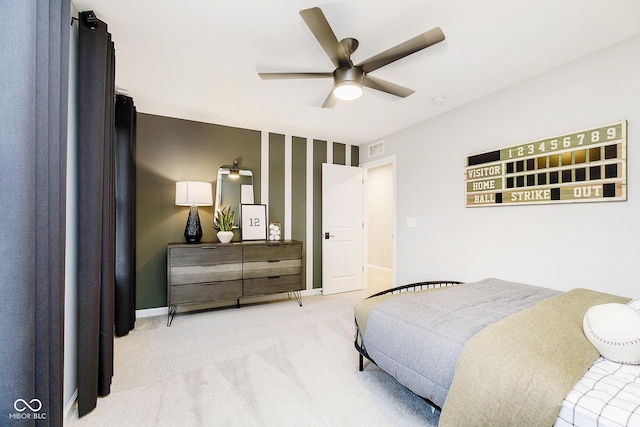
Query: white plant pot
x,y
225,236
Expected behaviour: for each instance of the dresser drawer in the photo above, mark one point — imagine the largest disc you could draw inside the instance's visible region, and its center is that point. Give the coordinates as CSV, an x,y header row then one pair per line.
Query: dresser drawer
x,y
205,292
203,274
284,267
274,284
272,251
204,255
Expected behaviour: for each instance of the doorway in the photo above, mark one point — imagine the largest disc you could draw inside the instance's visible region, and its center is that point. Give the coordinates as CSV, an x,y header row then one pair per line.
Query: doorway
x,y
377,204
380,206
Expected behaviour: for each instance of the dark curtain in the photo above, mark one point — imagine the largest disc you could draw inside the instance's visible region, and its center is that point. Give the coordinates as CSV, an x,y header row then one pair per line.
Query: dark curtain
x,y
96,210
125,292
34,41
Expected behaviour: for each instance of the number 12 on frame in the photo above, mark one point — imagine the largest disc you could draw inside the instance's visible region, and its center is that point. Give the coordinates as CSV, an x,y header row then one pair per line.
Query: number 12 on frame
x,y
254,222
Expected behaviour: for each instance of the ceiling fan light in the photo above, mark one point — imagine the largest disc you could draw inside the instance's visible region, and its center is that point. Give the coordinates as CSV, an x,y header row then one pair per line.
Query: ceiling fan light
x,y
347,83
348,91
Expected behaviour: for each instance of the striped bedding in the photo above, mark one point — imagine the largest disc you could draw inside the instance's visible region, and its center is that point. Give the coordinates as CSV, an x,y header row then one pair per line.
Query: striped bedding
x,y
608,395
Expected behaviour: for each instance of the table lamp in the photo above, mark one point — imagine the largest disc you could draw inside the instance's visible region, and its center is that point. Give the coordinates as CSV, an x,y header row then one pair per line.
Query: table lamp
x,y
193,194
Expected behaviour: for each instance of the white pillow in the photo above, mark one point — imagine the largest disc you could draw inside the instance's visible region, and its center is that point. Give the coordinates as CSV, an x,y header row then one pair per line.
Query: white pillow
x,y
635,304
614,330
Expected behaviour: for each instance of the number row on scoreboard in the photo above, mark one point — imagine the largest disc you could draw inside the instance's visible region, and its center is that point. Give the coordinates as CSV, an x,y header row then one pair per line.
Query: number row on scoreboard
x,y
575,140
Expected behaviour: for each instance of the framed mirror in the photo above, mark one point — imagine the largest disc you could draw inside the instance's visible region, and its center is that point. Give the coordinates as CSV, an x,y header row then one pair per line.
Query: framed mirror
x,y
233,187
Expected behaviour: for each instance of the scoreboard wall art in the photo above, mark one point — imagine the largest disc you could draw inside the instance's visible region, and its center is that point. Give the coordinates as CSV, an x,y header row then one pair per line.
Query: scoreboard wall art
x,y
584,166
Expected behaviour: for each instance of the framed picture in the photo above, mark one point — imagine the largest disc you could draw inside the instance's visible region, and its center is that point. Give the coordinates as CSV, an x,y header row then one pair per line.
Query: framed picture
x,y
254,222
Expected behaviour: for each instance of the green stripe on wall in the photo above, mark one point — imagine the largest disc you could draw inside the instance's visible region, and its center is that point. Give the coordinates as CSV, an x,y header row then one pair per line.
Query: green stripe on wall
x,y
355,155
299,194
319,157
339,154
276,179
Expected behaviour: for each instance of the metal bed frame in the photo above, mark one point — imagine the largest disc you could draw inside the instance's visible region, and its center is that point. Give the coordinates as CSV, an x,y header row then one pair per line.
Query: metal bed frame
x,y
419,286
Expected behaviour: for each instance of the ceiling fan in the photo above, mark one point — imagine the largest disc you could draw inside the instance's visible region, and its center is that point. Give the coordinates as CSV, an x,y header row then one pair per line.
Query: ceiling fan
x,y
349,78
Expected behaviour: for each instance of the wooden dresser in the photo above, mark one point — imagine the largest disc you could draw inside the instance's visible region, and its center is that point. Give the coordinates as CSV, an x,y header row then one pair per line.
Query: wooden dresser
x,y
216,271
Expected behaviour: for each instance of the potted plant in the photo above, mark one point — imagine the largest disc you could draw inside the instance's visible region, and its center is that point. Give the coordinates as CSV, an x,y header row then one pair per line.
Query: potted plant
x,y
223,222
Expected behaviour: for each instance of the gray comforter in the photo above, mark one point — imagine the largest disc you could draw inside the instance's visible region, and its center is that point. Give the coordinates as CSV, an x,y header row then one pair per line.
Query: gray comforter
x,y
417,337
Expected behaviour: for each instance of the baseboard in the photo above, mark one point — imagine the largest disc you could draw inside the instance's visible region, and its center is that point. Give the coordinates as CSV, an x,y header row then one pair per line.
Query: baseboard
x,y
151,312
378,267
69,407
163,311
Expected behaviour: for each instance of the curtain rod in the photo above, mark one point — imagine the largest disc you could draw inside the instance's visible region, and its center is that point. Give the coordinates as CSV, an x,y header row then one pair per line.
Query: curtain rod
x,y
90,18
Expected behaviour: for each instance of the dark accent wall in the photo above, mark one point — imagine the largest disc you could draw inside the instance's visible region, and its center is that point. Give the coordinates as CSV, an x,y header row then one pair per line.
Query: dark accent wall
x,y
355,155
319,157
339,154
299,192
170,150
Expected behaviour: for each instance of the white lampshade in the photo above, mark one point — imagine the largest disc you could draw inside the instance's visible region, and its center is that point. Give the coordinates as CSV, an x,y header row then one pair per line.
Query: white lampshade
x,y
194,193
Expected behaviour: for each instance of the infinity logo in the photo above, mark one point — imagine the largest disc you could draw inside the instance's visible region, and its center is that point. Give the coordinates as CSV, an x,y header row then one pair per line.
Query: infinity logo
x,y
21,405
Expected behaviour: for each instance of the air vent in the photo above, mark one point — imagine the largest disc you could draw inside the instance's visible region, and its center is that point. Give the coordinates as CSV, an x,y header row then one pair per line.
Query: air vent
x,y
376,149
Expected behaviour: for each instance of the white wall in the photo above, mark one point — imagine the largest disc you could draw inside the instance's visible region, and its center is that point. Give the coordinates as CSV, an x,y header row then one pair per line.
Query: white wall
x,y
562,246
380,216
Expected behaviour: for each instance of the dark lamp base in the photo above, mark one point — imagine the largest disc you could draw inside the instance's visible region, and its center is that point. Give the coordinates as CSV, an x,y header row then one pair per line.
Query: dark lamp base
x,y
193,229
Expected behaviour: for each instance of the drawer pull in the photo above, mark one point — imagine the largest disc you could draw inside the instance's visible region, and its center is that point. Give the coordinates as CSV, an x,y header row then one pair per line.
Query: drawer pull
x,y
208,247
274,260
274,277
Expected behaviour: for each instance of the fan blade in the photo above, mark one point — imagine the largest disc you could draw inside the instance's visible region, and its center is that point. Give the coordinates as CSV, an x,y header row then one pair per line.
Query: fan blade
x,y
413,45
386,86
331,100
319,26
278,76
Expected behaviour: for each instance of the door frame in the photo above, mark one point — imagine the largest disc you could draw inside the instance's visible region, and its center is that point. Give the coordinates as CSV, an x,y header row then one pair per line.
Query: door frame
x,y
369,165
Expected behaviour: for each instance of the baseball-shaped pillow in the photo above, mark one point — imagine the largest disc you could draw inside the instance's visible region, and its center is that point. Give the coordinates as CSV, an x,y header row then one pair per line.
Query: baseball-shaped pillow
x,y
614,330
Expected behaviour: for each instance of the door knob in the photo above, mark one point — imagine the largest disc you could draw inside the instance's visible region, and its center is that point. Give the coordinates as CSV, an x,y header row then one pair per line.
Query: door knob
x,y
327,235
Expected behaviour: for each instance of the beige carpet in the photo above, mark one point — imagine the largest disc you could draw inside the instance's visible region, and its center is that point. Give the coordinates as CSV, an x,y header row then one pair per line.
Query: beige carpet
x,y
269,364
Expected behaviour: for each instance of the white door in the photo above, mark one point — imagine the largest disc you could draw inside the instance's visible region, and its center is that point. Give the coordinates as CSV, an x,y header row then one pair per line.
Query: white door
x,y
343,228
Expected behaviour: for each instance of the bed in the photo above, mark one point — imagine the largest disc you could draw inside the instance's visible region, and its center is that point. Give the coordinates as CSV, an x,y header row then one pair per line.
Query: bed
x,y
496,352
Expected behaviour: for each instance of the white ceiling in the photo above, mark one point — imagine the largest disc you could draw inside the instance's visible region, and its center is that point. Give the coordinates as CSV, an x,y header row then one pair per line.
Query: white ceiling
x,y
199,59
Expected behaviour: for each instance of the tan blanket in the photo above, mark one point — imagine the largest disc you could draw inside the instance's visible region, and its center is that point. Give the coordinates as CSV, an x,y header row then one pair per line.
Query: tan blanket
x,y
363,308
518,371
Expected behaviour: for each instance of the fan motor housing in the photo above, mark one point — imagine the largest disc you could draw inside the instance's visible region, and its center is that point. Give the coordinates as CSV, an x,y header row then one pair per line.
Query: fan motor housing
x,y
348,74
